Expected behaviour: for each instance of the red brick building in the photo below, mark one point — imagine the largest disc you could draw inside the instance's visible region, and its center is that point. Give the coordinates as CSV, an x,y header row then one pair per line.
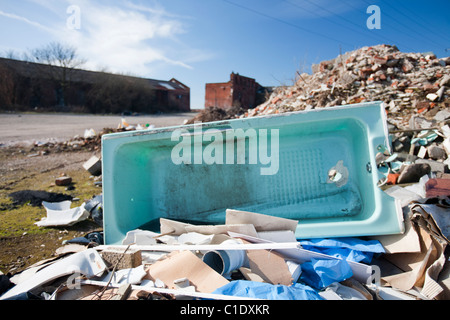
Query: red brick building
x,y
241,91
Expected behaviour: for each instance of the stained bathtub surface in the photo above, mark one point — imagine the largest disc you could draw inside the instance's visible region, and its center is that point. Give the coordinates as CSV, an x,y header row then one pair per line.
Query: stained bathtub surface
x,y
317,167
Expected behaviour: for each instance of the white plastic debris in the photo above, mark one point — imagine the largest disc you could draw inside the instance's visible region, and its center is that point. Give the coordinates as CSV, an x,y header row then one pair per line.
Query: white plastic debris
x,y
89,133
127,276
87,263
337,291
140,237
295,269
60,214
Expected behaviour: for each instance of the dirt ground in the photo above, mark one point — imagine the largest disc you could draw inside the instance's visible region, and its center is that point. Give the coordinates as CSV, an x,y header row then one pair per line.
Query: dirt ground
x,y
23,166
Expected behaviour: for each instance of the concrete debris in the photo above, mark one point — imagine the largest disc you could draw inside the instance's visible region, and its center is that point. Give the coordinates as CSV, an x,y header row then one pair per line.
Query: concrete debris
x,y
408,83
436,153
121,260
94,166
413,172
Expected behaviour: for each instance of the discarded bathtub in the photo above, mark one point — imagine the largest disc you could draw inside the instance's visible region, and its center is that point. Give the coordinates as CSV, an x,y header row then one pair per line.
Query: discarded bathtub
x,y
317,167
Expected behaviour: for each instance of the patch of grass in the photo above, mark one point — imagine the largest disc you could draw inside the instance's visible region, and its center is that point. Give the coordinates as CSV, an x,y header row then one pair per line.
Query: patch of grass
x,y
17,221
22,243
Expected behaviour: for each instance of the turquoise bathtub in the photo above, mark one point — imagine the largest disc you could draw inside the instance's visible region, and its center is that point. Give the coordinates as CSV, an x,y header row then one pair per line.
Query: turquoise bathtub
x,y
317,167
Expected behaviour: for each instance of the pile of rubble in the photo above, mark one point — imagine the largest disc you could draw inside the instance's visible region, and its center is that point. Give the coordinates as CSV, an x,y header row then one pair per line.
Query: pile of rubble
x,y
408,83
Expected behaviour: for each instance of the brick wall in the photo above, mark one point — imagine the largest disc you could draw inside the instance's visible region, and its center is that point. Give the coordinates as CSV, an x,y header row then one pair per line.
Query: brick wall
x,y
219,95
239,90
244,90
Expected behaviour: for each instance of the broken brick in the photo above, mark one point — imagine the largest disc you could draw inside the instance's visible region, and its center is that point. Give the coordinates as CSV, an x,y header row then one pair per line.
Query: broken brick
x,y
392,178
437,187
380,60
63,181
407,66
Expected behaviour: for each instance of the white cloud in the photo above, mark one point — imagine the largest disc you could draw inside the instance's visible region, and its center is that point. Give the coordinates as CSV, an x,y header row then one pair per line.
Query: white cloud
x,y
119,36
125,39
24,19
133,37
156,9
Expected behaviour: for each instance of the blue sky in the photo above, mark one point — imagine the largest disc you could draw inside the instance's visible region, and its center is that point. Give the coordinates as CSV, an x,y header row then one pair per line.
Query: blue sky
x,y
203,41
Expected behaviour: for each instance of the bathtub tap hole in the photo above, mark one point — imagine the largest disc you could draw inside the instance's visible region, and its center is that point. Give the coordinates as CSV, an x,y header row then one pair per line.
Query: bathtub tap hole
x,y
338,174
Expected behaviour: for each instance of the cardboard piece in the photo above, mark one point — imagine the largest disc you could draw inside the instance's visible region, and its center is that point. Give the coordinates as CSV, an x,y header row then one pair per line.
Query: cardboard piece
x,y
251,276
435,218
412,265
248,229
270,266
172,227
177,228
185,264
421,269
398,243
277,236
260,221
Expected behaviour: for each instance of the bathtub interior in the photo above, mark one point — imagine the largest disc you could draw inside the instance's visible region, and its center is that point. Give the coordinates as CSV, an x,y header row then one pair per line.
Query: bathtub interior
x,y
324,176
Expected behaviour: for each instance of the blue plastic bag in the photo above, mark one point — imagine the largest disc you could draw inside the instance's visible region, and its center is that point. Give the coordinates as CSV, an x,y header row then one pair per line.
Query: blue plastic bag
x,y
352,249
320,273
260,290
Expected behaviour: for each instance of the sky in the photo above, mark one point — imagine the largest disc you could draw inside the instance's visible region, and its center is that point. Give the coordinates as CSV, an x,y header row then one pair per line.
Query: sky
x,y
203,41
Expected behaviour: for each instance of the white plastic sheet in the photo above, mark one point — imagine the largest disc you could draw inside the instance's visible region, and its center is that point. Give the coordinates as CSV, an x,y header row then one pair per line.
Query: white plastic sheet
x,y
126,276
87,263
60,214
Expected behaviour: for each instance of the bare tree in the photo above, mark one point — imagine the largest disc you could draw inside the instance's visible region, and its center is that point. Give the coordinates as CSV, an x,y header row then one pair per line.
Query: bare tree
x,y
11,54
58,54
63,59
